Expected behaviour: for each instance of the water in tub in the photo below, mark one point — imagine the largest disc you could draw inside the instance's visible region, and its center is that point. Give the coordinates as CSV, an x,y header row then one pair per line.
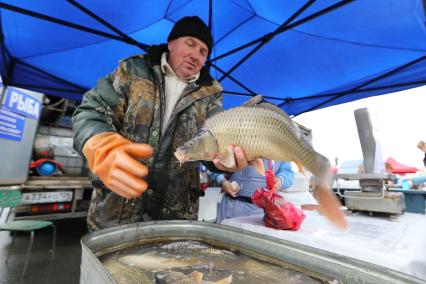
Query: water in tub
x,y
193,262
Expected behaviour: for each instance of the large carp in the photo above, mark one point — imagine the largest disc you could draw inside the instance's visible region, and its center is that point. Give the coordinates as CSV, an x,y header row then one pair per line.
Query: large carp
x,y
262,132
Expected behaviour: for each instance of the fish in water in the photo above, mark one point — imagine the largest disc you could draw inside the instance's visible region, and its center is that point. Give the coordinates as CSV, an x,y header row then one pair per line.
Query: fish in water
x,y
194,277
262,132
152,260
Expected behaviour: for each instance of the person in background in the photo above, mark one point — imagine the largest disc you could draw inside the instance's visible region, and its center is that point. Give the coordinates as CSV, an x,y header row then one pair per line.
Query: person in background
x,y
129,125
422,146
240,186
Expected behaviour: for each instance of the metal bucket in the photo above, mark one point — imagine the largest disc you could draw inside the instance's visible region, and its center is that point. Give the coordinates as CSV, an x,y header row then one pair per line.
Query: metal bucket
x,y
317,263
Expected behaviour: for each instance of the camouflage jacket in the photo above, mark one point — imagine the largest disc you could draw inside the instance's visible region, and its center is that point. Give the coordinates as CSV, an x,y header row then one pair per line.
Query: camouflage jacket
x,y
130,101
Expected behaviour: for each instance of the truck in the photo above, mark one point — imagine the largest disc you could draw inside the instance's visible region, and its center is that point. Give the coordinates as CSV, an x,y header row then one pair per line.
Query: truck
x,y
39,159
65,193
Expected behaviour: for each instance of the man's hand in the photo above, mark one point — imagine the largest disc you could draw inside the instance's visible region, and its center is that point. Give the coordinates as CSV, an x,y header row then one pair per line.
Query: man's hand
x,y
115,160
278,184
239,157
230,188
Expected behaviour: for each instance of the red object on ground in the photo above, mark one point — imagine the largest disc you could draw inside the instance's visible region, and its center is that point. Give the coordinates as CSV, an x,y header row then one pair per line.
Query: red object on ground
x,y
394,167
279,213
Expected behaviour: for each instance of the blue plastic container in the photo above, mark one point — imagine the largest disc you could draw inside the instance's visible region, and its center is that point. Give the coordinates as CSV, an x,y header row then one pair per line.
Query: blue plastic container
x,y
414,200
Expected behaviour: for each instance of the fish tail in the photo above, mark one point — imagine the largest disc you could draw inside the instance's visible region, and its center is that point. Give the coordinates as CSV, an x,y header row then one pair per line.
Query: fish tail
x,y
329,205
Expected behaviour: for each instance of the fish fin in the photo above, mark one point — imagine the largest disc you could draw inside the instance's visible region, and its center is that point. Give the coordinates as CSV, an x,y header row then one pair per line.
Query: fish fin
x,y
258,101
227,158
272,107
253,101
258,165
329,206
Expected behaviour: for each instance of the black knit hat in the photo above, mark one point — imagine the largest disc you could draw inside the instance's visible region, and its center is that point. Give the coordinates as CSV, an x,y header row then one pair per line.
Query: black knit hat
x,y
192,26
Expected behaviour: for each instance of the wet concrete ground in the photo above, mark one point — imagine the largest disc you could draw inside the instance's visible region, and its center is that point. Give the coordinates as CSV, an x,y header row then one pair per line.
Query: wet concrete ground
x,y
63,269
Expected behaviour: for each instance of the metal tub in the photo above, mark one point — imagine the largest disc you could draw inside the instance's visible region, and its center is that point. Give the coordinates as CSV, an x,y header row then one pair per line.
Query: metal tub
x,y
314,262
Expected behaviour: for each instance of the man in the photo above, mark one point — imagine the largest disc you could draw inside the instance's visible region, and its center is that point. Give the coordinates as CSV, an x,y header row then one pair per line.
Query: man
x,y
129,126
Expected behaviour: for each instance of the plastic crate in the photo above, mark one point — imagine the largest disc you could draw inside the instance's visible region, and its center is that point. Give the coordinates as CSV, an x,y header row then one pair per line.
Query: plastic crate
x,y
72,163
58,143
415,200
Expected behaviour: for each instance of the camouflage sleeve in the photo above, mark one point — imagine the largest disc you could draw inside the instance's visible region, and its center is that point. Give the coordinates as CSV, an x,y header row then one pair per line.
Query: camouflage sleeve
x,y
102,108
214,106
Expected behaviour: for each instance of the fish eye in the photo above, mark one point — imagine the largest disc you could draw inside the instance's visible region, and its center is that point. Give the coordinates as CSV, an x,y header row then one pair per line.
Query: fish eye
x,y
190,143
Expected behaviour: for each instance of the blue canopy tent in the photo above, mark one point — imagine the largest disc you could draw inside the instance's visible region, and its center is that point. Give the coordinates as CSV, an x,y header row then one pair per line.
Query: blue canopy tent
x,y
301,55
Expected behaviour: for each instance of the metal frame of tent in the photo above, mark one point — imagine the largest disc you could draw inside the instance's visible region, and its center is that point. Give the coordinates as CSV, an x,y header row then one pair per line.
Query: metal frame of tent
x,y
11,62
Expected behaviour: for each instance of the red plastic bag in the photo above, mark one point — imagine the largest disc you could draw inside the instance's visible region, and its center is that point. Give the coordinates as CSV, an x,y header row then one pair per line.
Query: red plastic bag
x,y
279,213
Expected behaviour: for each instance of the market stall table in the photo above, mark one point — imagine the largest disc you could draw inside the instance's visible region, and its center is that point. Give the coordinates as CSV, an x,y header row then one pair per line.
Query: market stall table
x,y
398,244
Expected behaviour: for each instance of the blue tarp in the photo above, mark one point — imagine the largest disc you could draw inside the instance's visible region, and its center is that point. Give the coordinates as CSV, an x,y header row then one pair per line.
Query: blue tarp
x,y
301,55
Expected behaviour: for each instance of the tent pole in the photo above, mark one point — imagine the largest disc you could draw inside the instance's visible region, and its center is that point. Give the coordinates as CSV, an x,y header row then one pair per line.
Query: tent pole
x,y
7,60
414,84
387,74
423,82
424,6
70,96
6,81
77,87
239,48
30,87
9,70
295,24
267,38
125,37
4,53
234,80
210,28
237,93
286,26
61,22
250,95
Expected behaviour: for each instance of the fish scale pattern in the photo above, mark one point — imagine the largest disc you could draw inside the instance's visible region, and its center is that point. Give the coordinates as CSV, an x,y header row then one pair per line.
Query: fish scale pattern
x,y
261,133
270,134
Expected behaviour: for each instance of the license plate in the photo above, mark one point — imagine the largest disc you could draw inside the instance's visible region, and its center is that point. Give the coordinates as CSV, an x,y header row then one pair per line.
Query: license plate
x,y
46,197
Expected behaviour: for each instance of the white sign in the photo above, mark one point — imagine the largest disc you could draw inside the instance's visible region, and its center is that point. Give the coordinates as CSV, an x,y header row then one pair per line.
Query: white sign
x,y
22,103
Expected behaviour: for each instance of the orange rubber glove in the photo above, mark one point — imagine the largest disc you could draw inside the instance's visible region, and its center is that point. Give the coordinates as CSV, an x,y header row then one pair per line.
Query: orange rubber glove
x,y
114,159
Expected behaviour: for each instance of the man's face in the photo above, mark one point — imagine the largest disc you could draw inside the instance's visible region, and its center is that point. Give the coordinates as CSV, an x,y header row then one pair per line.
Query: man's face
x,y
187,55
